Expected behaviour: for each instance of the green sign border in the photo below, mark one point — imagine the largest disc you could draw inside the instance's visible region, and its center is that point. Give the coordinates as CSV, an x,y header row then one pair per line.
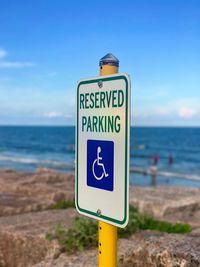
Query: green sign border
x,y
96,80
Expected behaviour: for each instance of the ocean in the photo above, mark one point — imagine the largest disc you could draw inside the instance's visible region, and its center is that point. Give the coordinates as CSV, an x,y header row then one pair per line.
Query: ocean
x,y
29,148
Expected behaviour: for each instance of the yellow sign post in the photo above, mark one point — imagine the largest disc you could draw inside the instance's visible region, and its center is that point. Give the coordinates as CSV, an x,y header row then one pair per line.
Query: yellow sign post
x,y
107,243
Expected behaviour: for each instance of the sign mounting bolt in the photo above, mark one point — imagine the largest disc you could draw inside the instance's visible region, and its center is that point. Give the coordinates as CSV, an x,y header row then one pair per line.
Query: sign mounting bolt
x,y
100,84
98,212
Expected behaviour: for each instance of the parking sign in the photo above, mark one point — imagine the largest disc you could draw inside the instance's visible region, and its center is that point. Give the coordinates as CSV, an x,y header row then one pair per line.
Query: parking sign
x,y
102,148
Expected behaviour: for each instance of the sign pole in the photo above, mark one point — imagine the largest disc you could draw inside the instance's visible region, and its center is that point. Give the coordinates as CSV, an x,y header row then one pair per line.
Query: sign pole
x,y
107,244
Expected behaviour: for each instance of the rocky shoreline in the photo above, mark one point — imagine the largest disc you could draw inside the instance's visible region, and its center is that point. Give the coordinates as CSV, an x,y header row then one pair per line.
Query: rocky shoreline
x,y
26,216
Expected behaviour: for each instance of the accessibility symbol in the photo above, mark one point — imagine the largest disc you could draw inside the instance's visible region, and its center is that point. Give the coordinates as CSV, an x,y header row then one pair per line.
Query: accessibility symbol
x,y
100,164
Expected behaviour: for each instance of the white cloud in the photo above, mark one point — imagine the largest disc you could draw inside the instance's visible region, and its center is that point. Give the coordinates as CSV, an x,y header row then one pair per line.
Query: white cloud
x,y
15,65
183,108
181,111
54,114
186,113
5,64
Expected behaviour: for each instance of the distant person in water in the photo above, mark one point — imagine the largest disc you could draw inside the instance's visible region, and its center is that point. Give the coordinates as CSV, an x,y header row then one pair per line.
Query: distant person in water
x,y
170,160
155,159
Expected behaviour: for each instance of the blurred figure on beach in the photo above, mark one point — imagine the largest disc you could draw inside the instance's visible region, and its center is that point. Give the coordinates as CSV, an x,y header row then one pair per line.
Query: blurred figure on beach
x,y
153,173
153,169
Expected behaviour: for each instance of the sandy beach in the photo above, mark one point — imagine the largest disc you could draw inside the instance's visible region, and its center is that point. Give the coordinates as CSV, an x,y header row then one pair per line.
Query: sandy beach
x,y
26,217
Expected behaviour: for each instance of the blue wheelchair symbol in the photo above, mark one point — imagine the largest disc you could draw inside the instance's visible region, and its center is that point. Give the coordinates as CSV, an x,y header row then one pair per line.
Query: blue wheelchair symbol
x,y
100,159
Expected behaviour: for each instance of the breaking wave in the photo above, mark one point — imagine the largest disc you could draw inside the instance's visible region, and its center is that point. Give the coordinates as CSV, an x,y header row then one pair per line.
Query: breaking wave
x,y
147,171
38,162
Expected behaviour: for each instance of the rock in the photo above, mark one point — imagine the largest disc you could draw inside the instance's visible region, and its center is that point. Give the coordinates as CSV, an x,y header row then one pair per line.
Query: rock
x,y
159,249
23,237
30,195
144,249
168,203
26,192
42,170
84,259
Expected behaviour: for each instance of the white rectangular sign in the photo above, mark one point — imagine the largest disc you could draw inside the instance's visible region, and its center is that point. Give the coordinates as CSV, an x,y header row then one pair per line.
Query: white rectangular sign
x,y
102,148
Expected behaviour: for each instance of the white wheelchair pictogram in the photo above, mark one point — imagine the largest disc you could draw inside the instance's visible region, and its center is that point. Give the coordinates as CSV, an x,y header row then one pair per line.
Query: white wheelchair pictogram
x,y
99,164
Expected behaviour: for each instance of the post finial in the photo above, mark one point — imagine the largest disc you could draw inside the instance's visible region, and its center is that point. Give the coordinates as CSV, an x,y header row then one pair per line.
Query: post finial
x,y
109,59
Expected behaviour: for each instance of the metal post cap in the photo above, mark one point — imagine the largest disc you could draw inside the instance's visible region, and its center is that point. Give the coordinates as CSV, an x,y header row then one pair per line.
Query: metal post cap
x,y
109,59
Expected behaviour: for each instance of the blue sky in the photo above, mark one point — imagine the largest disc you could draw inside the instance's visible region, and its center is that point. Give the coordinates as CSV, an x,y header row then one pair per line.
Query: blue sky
x,y
46,46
